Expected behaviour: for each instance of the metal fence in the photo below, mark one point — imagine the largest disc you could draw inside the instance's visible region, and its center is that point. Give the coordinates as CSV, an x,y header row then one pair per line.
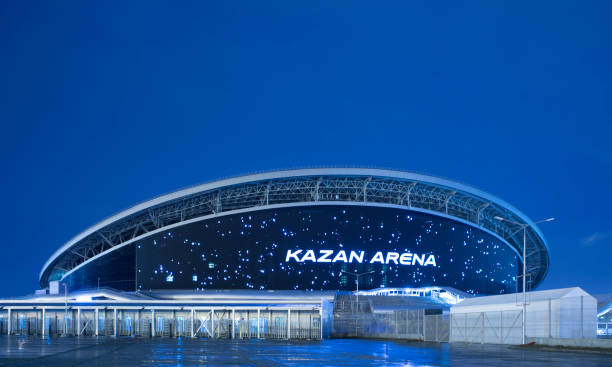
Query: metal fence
x,y
358,317
204,323
399,324
405,324
437,328
499,327
567,317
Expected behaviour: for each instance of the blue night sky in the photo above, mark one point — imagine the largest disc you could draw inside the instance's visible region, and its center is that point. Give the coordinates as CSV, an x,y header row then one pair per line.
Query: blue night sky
x,y
106,104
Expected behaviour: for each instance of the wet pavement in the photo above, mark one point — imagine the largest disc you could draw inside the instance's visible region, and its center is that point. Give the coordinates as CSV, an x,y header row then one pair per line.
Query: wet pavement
x,y
88,351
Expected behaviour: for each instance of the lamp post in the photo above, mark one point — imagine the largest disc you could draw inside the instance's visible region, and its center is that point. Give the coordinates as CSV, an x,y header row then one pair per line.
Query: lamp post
x,y
357,275
524,227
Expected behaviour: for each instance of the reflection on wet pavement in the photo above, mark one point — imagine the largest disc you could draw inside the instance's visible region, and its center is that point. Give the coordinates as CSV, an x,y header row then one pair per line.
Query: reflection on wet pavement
x,y
17,351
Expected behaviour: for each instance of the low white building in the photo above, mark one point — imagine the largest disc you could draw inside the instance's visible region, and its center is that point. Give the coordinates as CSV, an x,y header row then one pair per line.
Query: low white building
x,y
555,313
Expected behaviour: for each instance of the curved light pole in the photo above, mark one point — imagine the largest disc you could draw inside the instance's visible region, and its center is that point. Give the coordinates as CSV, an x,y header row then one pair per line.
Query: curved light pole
x,y
524,227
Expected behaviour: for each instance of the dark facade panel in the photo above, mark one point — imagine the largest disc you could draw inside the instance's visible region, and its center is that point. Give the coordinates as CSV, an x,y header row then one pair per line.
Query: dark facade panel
x,y
117,270
269,250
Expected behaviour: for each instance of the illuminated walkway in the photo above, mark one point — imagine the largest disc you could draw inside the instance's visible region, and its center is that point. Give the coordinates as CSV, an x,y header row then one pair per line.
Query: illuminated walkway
x,y
33,351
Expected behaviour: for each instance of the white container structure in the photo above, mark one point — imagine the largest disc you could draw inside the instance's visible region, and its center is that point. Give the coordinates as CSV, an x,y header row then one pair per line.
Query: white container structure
x,y
555,313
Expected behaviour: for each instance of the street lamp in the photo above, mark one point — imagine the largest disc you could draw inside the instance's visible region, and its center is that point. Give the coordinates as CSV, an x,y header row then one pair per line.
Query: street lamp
x,y
524,227
357,275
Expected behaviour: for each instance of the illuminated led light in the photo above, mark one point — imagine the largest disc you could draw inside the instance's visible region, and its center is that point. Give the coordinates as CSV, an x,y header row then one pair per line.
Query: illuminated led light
x,y
307,246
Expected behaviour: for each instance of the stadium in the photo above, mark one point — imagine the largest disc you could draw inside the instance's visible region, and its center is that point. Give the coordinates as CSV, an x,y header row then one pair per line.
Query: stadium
x,y
295,245
266,232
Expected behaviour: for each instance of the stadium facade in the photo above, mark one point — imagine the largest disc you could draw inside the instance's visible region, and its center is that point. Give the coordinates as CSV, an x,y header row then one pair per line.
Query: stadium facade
x,y
270,253
303,230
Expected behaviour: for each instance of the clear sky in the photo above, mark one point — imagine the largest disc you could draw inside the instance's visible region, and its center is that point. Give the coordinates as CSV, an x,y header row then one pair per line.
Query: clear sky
x,y
106,104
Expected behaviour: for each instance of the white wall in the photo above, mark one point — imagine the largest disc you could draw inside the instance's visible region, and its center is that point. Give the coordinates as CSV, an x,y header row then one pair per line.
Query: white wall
x,y
573,323
572,314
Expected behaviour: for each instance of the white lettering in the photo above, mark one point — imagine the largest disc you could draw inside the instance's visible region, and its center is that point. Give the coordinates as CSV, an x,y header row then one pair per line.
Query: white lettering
x,y
293,255
378,257
415,258
392,256
406,258
340,256
358,258
326,254
309,256
431,260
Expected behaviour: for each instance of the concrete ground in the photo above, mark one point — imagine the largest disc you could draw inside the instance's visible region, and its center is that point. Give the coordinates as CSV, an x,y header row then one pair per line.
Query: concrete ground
x,y
88,351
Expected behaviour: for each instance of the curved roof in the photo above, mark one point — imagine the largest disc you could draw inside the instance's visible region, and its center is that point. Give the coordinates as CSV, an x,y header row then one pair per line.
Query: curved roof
x,y
325,185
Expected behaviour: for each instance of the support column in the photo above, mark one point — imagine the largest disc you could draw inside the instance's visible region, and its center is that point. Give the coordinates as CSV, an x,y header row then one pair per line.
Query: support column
x,y
396,332
8,330
16,316
152,322
450,327
289,324
482,327
425,324
418,321
549,318
173,329
233,323
438,328
97,316
78,322
582,316
466,329
321,320
501,326
212,323
114,322
258,313
192,323
136,328
43,323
